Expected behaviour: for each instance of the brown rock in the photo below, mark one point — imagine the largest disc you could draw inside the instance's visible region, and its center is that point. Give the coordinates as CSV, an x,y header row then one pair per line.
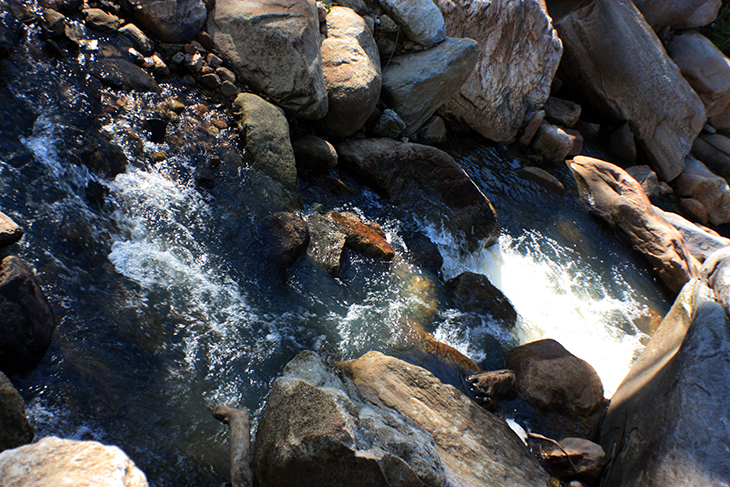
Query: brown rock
x,y
552,142
101,21
587,457
314,154
326,244
699,183
15,430
700,241
577,139
362,237
475,294
659,13
491,387
561,112
543,178
693,210
10,232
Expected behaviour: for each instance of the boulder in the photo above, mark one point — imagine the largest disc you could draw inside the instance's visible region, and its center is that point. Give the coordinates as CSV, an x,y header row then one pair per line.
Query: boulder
x,y
667,424
553,380
514,71
705,67
700,241
714,151
274,47
474,293
616,198
420,20
26,318
561,112
491,387
704,15
316,431
693,210
351,66
15,429
716,272
416,84
100,20
699,183
326,244
314,154
646,178
285,237
637,82
476,447
366,238
268,149
659,13
576,458
169,20
53,462
577,138
10,232
121,74
552,142
432,132
426,180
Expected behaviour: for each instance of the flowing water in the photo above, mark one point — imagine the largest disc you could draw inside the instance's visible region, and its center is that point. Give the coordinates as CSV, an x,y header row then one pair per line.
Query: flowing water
x,y
165,308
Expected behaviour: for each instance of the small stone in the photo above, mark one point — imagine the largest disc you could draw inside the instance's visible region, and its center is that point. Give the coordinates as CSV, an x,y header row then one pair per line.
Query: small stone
x,y
587,457
389,125
214,61
543,178
206,70
228,89
646,178
136,56
562,112
552,142
10,232
286,237
577,139
210,81
194,62
205,40
178,58
491,387
225,74
314,154
156,129
176,106
101,21
534,120
138,38
694,210
432,132
54,22
326,244
387,24
159,156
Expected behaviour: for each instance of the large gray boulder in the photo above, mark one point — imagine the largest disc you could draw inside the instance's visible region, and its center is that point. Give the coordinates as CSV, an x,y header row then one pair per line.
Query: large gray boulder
x,y
615,197
420,20
633,80
476,447
274,47
660,13
668,423
53,462
316,431
15,429
699,183
425,180
514,70
705,67
170,20
415,85
351,65
704,15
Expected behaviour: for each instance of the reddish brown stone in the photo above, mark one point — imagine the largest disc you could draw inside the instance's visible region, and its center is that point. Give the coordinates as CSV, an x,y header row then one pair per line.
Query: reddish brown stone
x,y
362,237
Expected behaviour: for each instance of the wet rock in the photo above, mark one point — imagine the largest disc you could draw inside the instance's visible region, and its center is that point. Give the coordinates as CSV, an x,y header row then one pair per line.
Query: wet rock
x,y
54,23
10,232
423,252
551,379
543,178
366,238
317,431
11,32
90,149
474,293
415,85
285,237
274,47
56,462
646,178
326,244
668,411
425,180
705,67
138,38
15,430
26,318
314,154
659,14
432,132
169,20
578,458
240,441
514,71
476,447
561,112
552,142
228,89
577,138
618,199
704,15
491,387
351,66
102,21
714,151
156,128
265,130
389,125
700,241
120,74
420,20
699,183
637,83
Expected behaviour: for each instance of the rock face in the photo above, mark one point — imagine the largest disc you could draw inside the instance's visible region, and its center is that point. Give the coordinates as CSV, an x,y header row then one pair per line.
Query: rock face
x,y
317,432
514,71
268,149
659,14
415,85
701,242
637,83
10,232
474,293
426,180
15,430
170,20
26,319
705,67
420,20
699,183
618,199
275,48
53,462
670,412
351,65
476,447
285,237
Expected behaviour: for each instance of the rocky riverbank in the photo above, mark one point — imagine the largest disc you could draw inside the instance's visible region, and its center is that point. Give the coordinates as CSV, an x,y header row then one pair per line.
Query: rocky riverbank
x,y
311,92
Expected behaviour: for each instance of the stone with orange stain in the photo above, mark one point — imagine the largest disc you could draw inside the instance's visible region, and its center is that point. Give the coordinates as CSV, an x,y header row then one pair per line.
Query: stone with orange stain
x,y
366,238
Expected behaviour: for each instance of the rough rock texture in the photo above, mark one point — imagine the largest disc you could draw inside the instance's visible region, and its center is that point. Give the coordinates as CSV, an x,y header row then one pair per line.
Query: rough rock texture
x,y
10,232
716,272
285,237
268,149
53,462
15,430
514,71
415,85
700,241
119,73
420,20
477,448
704,15
426,180
659,13
714,151
623,143
326,244
139,39
698,182
366,238
240,443
705,67
170,20
351,66
475,294
551,379
637,83
562,112
317,432
670,413
275,48
314,154
587,457
618,199
26,318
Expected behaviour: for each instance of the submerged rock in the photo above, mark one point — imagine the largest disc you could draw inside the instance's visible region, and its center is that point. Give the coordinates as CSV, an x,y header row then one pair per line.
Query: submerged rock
x,y
474,293
15,430
366,238
326,244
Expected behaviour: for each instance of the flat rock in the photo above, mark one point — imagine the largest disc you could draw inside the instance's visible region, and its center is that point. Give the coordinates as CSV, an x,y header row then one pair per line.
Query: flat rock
x,y
699,183
366,238
15,429
420,20
10,232
170,20
543,178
